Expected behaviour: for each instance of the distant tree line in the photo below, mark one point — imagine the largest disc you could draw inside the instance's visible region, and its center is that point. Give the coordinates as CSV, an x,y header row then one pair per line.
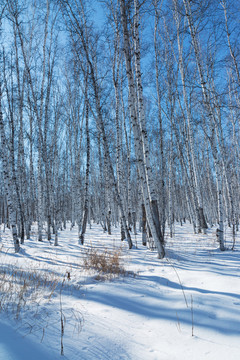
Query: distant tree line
x,y
130,117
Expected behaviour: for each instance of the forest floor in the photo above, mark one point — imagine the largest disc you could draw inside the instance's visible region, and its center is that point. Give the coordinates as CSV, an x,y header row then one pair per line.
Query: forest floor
x,y
186,306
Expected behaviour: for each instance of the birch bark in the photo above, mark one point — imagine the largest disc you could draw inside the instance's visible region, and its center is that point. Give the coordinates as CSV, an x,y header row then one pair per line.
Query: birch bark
x,y
8,181
86,191
210,113
140,133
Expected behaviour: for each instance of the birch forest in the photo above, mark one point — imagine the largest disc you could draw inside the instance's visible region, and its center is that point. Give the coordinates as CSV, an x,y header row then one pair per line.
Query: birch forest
x,y
122,113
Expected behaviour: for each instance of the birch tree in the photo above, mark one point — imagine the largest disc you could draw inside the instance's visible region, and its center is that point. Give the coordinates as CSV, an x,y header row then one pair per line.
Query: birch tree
x,y
138,125
210,114
76,18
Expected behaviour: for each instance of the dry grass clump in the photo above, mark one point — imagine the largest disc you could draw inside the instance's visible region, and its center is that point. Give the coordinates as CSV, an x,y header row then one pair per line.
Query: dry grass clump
x,y
27,297
20,289
105,262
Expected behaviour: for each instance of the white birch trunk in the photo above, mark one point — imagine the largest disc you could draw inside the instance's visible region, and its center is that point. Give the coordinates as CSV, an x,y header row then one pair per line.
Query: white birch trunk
x,y
150,204
86,194
201,223
210,114
8,182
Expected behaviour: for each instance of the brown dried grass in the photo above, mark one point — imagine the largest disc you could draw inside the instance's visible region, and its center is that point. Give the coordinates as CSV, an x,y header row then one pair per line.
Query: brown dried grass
x,y
108,263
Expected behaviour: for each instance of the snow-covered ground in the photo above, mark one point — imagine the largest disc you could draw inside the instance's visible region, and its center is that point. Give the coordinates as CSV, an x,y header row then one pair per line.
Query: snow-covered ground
x,y
186,306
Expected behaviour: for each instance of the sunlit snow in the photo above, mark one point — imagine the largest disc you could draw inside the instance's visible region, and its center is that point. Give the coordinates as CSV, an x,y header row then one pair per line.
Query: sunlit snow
x,y
186,306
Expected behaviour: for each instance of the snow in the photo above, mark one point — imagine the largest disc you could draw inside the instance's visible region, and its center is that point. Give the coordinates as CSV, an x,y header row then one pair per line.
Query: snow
x,y
186,306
